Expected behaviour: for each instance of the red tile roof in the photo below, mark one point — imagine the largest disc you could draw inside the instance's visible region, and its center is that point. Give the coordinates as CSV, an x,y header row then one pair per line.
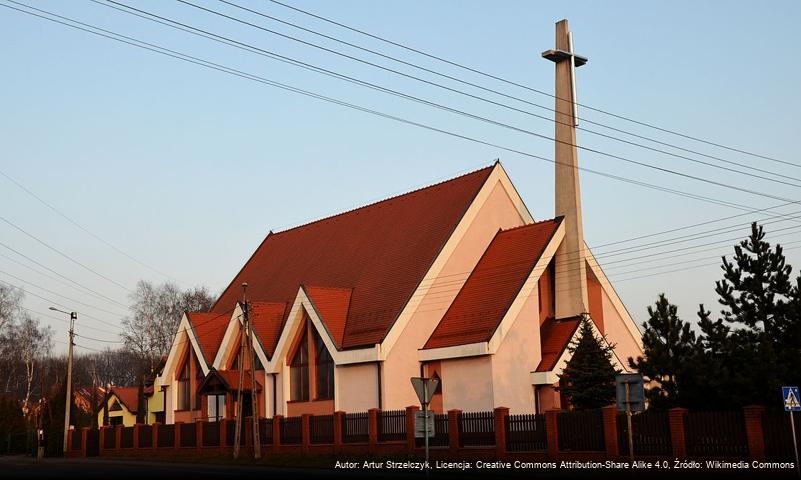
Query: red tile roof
x,y
231,378
493,285
555,337
268,319
332,304
209,329
381,251
128,396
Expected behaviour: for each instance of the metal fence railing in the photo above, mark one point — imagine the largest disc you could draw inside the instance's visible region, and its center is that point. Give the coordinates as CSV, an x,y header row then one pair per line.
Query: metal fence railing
x,y
526,433
477,429
650,433
321,429
392,425
292,431
355,428
581,431
715,434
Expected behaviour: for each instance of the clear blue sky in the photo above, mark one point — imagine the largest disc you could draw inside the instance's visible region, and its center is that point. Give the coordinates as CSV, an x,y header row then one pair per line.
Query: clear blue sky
x,y
187,169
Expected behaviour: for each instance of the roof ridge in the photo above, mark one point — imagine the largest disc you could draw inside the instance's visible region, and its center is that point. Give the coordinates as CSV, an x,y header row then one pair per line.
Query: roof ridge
x,y
394,197
530,224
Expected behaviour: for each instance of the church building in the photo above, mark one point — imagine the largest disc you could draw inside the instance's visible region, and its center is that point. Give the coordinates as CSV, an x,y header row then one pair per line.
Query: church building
x,y
457,281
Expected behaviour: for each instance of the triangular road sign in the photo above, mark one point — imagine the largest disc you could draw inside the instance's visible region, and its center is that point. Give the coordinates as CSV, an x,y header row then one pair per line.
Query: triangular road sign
x,y
792,400
424,388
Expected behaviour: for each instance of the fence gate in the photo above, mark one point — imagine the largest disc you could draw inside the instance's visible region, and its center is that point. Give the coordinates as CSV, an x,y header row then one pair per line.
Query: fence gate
x,y
92,442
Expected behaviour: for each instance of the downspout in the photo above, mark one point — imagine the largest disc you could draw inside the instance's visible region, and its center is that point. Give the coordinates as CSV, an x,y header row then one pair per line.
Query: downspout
x,y
275,397
378,376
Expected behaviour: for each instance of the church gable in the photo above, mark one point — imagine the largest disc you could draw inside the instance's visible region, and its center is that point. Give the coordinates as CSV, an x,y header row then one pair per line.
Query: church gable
x,y
358,251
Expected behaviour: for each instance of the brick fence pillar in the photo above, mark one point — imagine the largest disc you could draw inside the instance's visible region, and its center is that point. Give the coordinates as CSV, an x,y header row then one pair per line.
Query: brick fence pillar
x,y
552,433
410,440
676,418
338,418
223,424
500,432
372,429
155,436
753,430
101,438
136,436
118,437
69,443
277,419
305,429
247,431
177,435
609,413
199,436
454,418
84,434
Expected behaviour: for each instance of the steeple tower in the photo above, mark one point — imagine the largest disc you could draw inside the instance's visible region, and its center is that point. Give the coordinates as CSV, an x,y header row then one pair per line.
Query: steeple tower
x,y
570,264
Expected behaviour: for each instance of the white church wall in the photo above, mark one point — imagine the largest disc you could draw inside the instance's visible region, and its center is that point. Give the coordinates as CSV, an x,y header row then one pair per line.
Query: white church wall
x,y
517,356
497,211
357,387
467,384
617,333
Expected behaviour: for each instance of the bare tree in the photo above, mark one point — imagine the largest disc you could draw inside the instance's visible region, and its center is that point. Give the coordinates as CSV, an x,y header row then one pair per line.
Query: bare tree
x,y
156,312
34,343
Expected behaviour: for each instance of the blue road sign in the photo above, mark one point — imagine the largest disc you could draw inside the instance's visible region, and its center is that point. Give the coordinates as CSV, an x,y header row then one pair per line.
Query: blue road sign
x,y
792,400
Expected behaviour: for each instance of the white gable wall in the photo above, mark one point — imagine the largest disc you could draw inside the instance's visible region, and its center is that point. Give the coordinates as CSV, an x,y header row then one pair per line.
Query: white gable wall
x,y
467,384
496,210
517,356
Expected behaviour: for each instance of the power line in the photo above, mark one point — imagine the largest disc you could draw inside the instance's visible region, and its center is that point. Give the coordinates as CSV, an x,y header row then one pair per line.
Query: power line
x,y
526,87
79,226
496,92
231,71
520,130
52,248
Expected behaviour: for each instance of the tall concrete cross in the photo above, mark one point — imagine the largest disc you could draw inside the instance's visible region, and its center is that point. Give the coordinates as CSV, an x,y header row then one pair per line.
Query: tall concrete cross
x,y
570,262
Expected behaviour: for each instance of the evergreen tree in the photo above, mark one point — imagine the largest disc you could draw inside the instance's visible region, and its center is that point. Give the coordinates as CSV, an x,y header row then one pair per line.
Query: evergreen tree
x,y
588,380
669,346
753,348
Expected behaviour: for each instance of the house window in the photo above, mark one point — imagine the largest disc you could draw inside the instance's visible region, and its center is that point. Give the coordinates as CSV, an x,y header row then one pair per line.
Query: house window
x,y
325,370
299,372
198,381
183,388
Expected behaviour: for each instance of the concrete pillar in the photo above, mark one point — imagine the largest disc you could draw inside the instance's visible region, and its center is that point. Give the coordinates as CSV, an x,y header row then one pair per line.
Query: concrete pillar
x,y
339,417
753,430
410,440
305,428
676,418
372,429
454,441
552,433
500,432
609,413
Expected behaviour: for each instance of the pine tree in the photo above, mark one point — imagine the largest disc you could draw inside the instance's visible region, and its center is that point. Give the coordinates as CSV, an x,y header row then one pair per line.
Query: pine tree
x,y
669,346
588,380
754,346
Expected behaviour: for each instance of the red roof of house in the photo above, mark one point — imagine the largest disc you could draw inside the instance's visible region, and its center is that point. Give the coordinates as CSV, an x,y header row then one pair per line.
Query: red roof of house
x,y
231,377
332,304
555,337
268,319
128,396
209,330
381,252
493,285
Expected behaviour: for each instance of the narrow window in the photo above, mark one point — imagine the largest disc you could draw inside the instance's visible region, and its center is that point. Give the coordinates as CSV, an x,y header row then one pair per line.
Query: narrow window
x,y
325,370
198,381
299,372
183,388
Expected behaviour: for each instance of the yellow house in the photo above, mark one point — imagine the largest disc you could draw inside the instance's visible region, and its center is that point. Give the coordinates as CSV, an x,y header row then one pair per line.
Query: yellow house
x,y
121,406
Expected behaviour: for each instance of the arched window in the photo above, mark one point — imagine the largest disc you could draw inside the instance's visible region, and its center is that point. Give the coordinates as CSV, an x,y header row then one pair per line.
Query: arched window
x,y
183,387
325,370
299,372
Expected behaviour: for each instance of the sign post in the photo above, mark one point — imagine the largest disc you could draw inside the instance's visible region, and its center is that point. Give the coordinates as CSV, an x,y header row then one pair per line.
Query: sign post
x,y
630,395
792,403
425,388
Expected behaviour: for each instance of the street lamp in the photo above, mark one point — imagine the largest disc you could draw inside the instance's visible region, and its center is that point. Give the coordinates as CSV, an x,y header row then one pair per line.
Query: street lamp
x,y
68,402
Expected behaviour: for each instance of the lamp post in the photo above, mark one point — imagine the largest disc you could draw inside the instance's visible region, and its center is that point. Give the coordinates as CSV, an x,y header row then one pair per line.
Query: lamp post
x,y
68,400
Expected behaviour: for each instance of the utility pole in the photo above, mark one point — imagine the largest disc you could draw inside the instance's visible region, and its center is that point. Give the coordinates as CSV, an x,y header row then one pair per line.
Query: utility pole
x,y
254,399
241,366
570,267
68,400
